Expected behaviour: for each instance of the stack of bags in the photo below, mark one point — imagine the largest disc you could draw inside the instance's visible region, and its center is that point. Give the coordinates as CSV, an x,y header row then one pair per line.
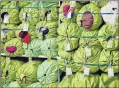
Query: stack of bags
x,y
85,43
68,28
39,30
17,72
46,27
94,52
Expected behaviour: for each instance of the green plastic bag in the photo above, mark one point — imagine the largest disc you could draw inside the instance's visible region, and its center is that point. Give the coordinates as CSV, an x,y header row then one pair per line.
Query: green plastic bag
x,y
3,63
33,48
11,67
109,59
13,84
16,42
49,47
47,72
3,3
99,3
76,9
27,73
68,29
67,32
87,56
109,32
32,13
65,54
67,44
7,35
83,81
12,13
108,82
90,39
66,82
50,26
97,18
63,64
48,11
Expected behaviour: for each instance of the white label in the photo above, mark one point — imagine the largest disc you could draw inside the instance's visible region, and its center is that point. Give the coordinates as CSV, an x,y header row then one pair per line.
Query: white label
x,y
68,71
86,70
24,15
110,72
69,15
114,17
6,18
8,60
58,58
49,17
67,48
72,3
117,37
25,28
25,45
88,51
30,59
109,43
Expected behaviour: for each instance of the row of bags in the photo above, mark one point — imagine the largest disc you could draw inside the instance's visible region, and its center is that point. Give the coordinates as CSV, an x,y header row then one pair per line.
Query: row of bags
x,y
106,37
94,56
51,14
44,72
16,73
29,13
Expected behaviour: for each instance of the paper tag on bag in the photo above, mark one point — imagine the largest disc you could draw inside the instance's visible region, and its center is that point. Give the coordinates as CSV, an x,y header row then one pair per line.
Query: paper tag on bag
x,y
58,58
25,28
73,3
24,15
88,51
67,47
25,45
69,15
110,72
86,70
68,71
7,60
30,59
117,37
49,17
109,43
6,18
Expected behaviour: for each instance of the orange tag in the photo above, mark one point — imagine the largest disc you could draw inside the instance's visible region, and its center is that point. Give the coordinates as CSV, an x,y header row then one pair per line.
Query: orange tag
x,y
49,58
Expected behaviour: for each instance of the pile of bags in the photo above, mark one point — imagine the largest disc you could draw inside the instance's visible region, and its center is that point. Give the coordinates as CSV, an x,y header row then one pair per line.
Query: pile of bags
x,y
17,72
80,34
